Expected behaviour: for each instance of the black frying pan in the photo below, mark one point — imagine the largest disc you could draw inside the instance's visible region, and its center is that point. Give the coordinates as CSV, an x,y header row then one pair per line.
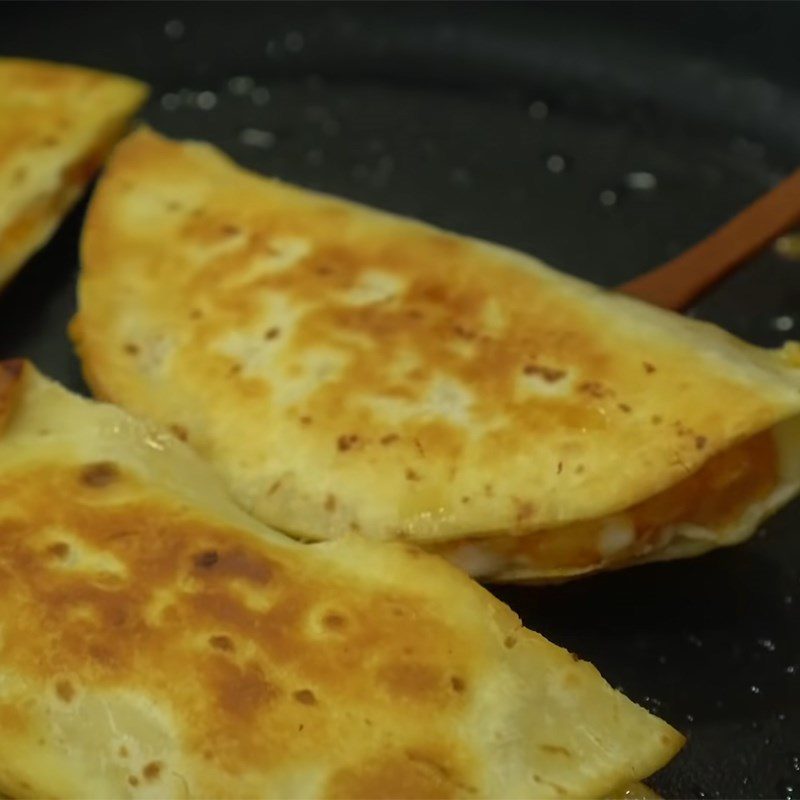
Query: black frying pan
x,y
536,126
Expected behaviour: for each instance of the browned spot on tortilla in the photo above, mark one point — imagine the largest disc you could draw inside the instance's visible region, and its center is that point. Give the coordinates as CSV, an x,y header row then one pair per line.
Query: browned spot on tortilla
x,y
463,332
555,749
242,692
180,432
152,771
100,474
594,389
65,690
235,563
700,442
58,549
330,502
648,367
306,697
347,441
458,684
131,349
222,642
389,438
334,622
411,679
272,333
412,475
206,559
549,374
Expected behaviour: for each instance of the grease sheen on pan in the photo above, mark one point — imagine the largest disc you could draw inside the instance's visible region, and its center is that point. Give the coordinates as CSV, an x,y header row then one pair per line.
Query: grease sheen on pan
x,y
156,641
351,371
57,123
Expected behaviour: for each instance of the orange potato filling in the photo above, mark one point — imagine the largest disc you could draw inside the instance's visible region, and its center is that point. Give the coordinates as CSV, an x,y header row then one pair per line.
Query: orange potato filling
x,y
19,232
713,497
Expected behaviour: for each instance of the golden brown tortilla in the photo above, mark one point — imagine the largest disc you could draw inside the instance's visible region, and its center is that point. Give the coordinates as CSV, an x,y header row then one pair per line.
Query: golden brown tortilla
x,y
156,641
350,371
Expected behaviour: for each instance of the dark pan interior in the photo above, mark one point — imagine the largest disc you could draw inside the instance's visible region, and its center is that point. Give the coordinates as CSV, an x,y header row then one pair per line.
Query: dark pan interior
x,y
536,126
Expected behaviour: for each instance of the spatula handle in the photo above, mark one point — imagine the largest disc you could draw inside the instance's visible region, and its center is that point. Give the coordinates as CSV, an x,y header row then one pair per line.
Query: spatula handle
x,y
683,279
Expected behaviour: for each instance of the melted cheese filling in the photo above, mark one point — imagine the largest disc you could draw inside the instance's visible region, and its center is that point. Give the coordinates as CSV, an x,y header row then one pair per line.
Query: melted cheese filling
x,y
705,505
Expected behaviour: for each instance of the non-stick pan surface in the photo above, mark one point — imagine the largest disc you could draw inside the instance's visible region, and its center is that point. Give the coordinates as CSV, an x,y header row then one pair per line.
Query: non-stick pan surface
x,y
602,138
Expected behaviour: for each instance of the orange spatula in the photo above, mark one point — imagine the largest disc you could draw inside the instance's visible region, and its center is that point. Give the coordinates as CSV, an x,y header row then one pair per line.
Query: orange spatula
x,y
680,281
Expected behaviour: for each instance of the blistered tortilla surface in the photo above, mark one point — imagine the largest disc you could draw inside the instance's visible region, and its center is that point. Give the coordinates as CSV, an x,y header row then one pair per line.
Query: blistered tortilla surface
x,y
155,641
351,371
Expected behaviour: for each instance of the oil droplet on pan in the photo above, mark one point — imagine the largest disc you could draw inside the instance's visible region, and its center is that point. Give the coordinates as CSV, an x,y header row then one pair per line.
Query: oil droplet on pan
x,y
461,177
260,96
171,101
788,246
206,101
556,163
783,323
241,85
641,181
608,198
253,137
330,127
538,110
174,29
294,41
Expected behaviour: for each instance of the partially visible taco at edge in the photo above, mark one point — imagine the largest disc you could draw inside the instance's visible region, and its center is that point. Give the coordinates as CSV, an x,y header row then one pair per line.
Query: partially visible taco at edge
x,y
57,124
